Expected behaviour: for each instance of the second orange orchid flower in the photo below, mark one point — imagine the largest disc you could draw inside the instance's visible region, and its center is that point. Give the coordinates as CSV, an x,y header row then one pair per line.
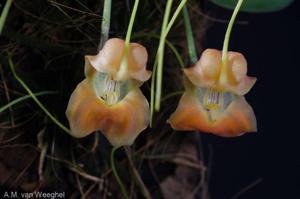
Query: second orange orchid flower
x,y
213,101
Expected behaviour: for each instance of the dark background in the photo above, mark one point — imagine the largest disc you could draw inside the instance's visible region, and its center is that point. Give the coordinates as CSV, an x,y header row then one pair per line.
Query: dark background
x,y
269,158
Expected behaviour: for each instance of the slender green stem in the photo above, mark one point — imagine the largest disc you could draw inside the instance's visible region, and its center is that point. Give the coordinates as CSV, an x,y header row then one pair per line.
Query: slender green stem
x,y
131,22
228,31
180,61
152,97
160,57
105,26
20,99
35,98
114,170
161,52
4,14
174,17
189,36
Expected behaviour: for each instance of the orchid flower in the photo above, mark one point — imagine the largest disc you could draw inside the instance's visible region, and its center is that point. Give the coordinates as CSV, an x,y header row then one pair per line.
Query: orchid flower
x,y
109,98
214,98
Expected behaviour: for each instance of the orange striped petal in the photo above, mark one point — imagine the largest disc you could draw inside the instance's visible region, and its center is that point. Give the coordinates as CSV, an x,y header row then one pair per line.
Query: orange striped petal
x,y
111,57
120,123
237,119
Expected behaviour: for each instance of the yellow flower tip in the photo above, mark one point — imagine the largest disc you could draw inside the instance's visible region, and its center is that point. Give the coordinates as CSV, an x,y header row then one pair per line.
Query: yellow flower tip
x,y
87,113
122,66
209,71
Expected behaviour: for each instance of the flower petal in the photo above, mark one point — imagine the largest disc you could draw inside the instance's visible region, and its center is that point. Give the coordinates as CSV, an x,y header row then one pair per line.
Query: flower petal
x,y
236,120
244,85
137,59
240,83
89,70
87,113
238,65
84,110
109,58
127,119
206,71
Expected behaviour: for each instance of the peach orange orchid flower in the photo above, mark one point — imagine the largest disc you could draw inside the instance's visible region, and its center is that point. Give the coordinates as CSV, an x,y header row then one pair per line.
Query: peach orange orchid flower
x,y
109,99
213,101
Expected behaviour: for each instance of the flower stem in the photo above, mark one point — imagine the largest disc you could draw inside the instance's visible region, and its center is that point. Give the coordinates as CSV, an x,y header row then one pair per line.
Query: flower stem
x,y
174,17
4,14
228,31
105,26
20,99
160,52
114,170
130,26
152,96
12,67
155,99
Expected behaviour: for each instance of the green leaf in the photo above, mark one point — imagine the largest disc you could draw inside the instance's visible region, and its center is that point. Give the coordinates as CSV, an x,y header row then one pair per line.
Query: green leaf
x,y
255,5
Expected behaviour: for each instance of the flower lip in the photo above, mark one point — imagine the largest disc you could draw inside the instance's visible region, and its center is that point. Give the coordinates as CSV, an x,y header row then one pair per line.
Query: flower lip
x,y
87,113
235,119
111,60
